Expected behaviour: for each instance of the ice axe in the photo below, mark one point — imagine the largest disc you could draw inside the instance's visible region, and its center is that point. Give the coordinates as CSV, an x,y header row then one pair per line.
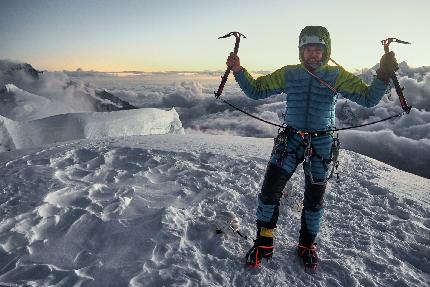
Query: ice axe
x,y
393,76
227,72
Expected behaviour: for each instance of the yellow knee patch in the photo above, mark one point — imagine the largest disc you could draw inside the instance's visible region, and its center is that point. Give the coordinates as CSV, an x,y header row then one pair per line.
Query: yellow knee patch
x,y
266,232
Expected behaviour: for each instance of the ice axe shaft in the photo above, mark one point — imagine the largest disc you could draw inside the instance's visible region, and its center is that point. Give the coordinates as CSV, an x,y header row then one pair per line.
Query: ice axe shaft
x,y
227,71
393,76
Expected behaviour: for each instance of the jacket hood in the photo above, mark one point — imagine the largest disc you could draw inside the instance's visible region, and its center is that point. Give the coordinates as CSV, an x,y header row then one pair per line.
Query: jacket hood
x,y
315,35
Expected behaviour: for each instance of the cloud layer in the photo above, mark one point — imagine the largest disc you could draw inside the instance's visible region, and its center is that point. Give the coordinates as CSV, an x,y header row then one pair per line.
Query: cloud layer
x,y
402,142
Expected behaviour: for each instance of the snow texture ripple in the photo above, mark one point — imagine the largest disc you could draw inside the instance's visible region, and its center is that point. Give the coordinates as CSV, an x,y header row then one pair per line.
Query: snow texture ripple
x,y
139,211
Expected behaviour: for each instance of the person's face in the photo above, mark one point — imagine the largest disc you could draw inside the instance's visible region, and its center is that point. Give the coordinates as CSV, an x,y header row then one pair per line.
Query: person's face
x,y
313,54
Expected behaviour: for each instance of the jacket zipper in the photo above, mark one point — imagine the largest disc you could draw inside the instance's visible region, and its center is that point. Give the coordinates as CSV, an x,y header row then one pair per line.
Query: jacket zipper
x,y
307,102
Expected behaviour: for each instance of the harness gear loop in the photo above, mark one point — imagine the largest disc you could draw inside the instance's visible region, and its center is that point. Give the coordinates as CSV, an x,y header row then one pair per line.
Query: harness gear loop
x,y
307,141
280,145
309,153
335,148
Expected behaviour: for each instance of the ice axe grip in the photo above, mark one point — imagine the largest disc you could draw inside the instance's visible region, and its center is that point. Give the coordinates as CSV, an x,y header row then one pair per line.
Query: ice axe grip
x,y
227,71
399,90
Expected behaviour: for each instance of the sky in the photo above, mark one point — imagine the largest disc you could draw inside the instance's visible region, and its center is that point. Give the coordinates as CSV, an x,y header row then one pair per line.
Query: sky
x,y
167,35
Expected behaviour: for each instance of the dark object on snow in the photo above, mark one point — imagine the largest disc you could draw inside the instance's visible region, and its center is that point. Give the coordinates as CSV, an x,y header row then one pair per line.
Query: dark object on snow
x,y
110,102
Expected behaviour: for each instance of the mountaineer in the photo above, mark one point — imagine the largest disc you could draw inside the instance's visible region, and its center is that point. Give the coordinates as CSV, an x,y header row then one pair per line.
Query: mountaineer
x,y
312,89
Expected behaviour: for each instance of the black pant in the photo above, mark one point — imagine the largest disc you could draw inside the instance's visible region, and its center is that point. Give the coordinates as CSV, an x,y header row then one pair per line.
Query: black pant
x,y
274,183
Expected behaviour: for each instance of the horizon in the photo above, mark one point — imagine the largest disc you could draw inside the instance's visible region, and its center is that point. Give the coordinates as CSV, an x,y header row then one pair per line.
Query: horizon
x,y
156,36
137,72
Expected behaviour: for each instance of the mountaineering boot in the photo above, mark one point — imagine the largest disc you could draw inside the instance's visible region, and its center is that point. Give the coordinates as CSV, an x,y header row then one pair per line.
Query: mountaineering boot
x,y
263,248
309,256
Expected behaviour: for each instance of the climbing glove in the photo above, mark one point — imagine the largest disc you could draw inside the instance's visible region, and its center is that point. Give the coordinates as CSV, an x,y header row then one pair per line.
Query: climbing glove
x,y
387,67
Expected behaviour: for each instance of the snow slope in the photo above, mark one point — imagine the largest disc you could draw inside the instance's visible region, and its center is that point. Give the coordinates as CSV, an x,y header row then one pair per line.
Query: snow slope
x,y
19,105
138,211
27,94
61,128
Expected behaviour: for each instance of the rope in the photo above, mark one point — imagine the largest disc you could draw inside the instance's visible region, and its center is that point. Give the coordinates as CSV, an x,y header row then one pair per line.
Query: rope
x,y
251,115
328,86
330,130
336,63
368,124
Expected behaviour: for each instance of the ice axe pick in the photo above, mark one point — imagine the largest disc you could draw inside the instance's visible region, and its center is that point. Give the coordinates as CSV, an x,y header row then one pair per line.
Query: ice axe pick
x,y
393,76
237,35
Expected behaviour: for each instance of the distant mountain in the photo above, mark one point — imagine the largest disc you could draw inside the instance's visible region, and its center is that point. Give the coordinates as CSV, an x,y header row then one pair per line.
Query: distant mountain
x,y
10,70
28,94
417,73
405,70
105,101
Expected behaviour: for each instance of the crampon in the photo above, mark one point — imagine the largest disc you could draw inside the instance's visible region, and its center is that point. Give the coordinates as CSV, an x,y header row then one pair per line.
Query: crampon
x,y
309,256
257,253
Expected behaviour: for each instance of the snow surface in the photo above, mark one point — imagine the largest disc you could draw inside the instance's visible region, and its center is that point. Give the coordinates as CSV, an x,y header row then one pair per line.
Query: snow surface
x,y
23,105
61,128
139,211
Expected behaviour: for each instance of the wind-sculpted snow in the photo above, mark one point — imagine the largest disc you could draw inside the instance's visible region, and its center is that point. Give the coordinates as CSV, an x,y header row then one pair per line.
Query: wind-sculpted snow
x,y
67,127
139,211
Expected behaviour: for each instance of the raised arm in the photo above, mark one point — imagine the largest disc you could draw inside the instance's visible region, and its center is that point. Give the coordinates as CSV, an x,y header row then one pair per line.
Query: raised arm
x,y
260,88
354,89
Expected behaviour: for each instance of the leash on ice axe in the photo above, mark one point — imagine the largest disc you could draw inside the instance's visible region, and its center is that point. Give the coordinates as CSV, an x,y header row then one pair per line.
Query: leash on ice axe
x,y
393,76
227,72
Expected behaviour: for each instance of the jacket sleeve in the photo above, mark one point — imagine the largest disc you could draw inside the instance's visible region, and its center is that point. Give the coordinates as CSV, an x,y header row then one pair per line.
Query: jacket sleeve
x,y
354,89
262,87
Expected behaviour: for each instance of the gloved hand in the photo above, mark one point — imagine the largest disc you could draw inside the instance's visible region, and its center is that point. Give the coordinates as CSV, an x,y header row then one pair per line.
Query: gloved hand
x,y
233,61
387,67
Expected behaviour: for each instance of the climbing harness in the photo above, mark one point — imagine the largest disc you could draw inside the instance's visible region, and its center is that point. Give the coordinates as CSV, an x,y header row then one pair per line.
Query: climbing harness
x,y
280,150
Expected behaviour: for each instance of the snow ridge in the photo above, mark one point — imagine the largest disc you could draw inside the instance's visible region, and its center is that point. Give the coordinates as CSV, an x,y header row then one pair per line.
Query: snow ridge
x,y
61,128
